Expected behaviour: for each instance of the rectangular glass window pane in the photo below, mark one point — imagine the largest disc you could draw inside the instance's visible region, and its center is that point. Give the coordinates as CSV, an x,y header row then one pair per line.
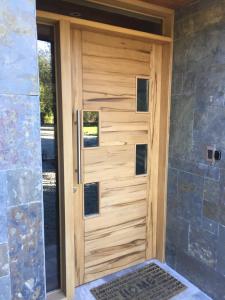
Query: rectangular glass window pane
x,y
91,128
100,13
142,94
49,146
141,159
91,199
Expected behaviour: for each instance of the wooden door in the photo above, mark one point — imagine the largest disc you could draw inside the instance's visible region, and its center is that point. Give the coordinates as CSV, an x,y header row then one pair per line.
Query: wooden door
x,y
105,73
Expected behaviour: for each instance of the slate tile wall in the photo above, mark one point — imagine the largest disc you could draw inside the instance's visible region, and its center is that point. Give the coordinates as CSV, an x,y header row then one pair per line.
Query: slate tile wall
x,y
21,213
196,188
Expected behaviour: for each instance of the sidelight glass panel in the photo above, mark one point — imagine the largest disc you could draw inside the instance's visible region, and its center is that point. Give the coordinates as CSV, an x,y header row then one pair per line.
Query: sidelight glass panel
x,y
91,199
90,129
142,95
141,159
48,117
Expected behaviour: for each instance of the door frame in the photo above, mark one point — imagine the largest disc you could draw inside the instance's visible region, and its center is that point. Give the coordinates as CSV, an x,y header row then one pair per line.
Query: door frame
x,y
159,124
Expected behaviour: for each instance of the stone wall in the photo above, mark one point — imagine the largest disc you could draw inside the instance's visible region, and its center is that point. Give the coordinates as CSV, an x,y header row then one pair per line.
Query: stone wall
x,y
21,232
196,191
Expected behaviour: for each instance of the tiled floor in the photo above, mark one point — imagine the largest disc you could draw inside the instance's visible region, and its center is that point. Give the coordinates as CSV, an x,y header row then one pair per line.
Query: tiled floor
x,y
191,293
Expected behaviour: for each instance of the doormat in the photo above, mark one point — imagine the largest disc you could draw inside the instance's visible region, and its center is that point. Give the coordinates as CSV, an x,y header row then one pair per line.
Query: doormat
x,y
148,283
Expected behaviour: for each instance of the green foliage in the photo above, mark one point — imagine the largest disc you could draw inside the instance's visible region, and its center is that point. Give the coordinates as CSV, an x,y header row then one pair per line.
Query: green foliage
x,y
46,83
90,117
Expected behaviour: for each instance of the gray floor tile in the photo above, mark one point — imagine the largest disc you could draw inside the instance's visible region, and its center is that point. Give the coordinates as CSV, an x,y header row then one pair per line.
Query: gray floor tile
x,y
191,293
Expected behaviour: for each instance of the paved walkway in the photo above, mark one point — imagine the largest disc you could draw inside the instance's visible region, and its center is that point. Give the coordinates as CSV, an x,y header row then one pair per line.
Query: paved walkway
x,y
191,293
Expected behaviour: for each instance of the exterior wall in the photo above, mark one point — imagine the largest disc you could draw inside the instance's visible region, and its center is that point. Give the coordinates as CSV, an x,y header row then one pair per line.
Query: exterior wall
x,y
21,232
196,191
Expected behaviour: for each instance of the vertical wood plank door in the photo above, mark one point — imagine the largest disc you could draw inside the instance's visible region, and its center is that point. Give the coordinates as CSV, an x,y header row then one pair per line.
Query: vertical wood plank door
x,y
117,231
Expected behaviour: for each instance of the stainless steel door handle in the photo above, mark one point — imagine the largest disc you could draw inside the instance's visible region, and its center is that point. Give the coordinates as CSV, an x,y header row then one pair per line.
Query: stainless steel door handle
x,y
79,162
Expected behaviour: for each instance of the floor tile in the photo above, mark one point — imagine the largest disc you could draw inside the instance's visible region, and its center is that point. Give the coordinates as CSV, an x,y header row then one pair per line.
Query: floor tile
x,y
191,293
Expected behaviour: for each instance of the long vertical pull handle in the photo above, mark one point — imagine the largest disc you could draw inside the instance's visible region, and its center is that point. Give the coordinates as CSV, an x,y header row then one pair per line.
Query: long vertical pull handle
x,y
79,163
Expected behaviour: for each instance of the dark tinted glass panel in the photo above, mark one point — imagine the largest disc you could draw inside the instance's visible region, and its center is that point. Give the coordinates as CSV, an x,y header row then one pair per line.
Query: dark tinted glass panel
x,y
141,159
91,199
49,156
91,128
100,13
142,94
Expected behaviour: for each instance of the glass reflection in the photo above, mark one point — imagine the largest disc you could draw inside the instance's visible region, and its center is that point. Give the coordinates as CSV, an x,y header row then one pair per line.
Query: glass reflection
x,y
91,199
49,163
142,94
141,159
90,129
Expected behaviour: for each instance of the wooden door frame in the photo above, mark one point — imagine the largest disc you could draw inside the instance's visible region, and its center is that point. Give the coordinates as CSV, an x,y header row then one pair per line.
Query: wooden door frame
x,y
159,125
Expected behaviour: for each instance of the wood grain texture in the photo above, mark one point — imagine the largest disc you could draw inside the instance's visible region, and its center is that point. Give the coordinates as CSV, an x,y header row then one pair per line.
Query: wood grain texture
x,y
141,6
155,107
158,8
108,162
66,95
52,18
118,234
117,121
109,73
124,129
174,4
114,265
77,92
125,230
163,150
125,201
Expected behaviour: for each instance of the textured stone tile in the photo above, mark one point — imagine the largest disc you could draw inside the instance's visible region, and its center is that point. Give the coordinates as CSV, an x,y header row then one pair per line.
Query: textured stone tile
x,y
213,124
181,143
189,86
210,210
19,141
3,193
200,119
210,89
212,192
214,212
221,209
199,157
210,225
188,166
20,149
4,261
204,277
177,84
3,229
24,186
172,192
170,254
3,210
213,172
26,251
198,17
177,232
221,251
199,55
222,183
190,193
5,288
179,57
195,167
18,53
202,246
